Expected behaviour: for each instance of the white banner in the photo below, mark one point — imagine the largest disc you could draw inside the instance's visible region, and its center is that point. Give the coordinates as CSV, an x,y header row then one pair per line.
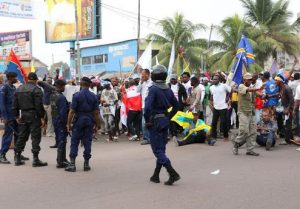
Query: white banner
x,y
17,8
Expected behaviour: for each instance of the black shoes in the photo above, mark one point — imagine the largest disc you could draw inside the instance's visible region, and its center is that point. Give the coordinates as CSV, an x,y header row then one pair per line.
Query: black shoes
x,y
3,159
71,167
155,177
86,166
174,176
252,153
37,162
18,159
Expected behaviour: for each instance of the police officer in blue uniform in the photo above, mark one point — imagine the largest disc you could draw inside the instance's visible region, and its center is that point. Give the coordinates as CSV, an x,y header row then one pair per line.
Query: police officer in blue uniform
x,y
59,111
84,113
11,127
157,103
29,101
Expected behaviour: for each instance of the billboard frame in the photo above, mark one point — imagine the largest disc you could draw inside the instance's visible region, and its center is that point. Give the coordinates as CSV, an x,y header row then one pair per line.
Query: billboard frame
x,y
30,45
94,36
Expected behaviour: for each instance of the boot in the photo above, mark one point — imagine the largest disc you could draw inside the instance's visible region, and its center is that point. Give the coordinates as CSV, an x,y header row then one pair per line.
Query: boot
x,y
3,159
22,157
64,156
18,160
59,160
37,162
71,167
86,166
174,176
155,177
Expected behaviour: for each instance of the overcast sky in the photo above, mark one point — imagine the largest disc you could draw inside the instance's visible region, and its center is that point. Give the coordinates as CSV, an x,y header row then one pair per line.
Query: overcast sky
x,y
120,25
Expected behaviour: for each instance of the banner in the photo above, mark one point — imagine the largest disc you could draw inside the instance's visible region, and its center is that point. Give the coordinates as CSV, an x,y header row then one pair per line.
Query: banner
x,y
61,23
16,8
19,41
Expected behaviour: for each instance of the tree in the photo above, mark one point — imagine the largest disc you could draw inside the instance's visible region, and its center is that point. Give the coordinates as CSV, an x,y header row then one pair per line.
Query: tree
x,y
271,28
182,32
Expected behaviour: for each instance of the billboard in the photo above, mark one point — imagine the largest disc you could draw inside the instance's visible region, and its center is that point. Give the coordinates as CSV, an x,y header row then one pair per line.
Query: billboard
x,y
16,8
19,41
110,58
61,24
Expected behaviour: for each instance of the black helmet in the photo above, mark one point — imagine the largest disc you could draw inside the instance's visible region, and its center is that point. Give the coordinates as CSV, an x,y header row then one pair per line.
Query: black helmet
x,y
159,73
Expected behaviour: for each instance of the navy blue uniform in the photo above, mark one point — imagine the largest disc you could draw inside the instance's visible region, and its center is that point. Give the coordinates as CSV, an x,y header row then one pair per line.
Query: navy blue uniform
x,y
84,104
60,111
7,92
156,112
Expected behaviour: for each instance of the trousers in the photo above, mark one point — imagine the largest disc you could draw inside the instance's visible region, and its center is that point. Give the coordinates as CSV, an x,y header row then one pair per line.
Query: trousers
x,y
82,131
61,133
134,121
247,130
223,114
262,139
50,127
10,130
29,125
192,139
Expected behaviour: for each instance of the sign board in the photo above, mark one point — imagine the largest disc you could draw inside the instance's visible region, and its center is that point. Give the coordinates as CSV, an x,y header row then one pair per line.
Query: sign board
x,y
19,41
61,22
118,57
16,8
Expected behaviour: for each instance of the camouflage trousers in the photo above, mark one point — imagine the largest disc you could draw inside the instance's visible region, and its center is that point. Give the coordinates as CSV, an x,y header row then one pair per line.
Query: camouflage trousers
x,y
247,130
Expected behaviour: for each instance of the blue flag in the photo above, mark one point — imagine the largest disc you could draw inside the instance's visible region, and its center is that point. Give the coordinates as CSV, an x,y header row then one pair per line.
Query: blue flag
x,y
244,55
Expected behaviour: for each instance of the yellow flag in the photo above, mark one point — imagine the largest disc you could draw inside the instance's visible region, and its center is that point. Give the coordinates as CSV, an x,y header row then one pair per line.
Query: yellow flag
x,y
32,68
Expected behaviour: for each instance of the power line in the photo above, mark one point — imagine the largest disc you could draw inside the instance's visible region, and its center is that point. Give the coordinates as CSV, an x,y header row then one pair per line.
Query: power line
x,y
127,11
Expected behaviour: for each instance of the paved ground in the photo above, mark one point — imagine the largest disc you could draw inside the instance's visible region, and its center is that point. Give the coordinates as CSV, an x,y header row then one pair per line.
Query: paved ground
x,y
119,179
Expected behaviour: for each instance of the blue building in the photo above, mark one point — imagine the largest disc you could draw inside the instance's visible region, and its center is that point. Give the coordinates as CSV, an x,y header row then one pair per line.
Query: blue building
x,y
110,58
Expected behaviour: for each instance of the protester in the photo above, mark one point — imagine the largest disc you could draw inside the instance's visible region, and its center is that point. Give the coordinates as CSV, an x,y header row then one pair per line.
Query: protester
x,y
185,81
218,102
266,129
247,125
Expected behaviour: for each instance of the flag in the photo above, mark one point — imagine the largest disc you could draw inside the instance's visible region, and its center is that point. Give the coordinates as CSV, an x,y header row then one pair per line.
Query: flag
x,y
32,68
273,70
200,125
172,60
60,75
183,119
244,58
156,60
124,110
187,68
15,66
145,61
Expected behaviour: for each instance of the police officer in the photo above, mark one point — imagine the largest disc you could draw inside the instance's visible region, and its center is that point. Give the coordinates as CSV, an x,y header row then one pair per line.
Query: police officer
x,y
85,115
29,100
59,115
157,103
59,112
11,127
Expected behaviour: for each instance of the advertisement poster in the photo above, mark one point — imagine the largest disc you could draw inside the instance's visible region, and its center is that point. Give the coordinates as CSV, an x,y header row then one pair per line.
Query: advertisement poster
x,y
19,41
17,8
61,21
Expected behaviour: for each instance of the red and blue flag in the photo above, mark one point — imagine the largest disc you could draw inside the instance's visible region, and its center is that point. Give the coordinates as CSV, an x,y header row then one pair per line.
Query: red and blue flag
x,y
15,66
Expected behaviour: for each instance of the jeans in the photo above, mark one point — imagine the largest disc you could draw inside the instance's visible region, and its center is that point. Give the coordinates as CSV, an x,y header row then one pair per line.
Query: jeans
x,y
10,129
258,114
262,139
134,121
145,129
223,114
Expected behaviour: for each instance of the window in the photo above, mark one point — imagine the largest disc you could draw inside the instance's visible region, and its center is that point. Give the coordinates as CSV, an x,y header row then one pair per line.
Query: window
x,y
105,58
98,59
86,60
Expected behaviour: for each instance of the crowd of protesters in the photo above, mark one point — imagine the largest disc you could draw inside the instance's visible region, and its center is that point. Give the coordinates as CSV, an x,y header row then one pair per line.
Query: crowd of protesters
x,y
264,108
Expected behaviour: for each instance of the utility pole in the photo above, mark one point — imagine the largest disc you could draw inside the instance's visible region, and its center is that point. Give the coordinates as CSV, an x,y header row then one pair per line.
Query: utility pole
x,y
77,42
138,28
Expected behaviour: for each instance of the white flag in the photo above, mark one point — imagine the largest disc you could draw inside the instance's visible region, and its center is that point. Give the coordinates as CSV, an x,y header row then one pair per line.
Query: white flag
x,y
145,60
172,60
156,59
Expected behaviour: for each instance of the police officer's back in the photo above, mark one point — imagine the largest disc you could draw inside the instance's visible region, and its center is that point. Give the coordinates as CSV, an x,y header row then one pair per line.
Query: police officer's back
x,y
158,101
29,111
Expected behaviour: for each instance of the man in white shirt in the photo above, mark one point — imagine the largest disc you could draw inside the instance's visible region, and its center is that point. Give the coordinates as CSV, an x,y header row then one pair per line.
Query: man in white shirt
x,y
297,110
186,82
293,84
143,88
218,103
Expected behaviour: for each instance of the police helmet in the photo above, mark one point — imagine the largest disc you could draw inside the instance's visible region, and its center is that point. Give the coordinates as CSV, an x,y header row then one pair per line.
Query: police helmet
x,y
159,73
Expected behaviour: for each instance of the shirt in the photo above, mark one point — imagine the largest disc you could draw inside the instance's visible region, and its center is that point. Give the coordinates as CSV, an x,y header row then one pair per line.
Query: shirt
x,y
175,89
297,94
195,99
271,89
271,125
187,87
246,100
219,93
293,85
144,90
110,97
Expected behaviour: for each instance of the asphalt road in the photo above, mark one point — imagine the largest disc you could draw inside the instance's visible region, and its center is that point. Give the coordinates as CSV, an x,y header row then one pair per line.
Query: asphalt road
x,y
120,179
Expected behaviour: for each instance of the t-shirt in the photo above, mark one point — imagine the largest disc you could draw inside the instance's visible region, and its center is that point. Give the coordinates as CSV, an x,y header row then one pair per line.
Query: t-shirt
x,y
246,100
293,85
271,89
175,89
219,93
297,95
187,87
